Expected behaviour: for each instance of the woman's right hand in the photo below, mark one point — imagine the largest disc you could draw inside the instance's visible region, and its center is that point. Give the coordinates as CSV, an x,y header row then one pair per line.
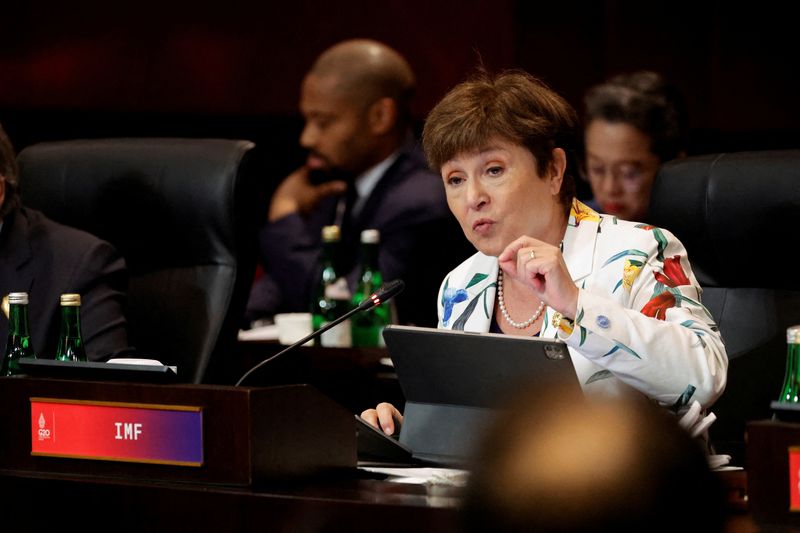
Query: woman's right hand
x,y
385,417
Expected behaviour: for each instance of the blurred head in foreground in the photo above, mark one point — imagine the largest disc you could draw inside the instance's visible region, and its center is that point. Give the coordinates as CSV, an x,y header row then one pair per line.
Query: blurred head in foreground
x,y
619,465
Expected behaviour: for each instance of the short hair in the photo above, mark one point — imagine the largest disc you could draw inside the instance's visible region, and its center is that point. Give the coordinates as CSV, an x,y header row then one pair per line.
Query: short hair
x,y
513,106
369,70
644,100
8,173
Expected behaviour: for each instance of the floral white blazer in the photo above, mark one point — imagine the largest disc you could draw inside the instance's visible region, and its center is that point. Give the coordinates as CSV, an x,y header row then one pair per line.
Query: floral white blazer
x,y
640,323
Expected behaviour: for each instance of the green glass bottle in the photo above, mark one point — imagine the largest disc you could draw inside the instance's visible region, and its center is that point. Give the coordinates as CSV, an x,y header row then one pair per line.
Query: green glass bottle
x,y
790,392
19,337
70,341
367,326
331,298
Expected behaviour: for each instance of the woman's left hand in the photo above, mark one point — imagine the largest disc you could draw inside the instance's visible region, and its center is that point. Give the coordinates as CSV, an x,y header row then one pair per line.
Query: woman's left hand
x,y
541,267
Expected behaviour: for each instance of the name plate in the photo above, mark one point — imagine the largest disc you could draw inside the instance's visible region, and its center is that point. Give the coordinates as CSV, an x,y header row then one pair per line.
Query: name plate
x,y
110,431
794,478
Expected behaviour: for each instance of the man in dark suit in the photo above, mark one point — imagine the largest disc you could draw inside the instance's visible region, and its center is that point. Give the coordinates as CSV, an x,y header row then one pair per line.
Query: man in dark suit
x,y
364,170
46,259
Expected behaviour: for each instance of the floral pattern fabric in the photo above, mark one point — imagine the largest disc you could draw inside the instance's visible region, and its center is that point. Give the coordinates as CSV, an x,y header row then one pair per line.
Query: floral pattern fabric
x,y
640,321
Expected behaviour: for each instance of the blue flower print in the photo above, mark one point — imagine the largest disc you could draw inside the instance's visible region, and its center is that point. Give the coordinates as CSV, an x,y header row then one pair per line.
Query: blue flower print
x,y
449,299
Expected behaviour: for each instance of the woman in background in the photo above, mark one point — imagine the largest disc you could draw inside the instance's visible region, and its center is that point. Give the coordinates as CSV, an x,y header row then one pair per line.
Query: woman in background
x,y
633,124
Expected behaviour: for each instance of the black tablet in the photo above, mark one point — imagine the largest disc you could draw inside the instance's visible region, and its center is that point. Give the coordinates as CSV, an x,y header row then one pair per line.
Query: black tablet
x,y
454,382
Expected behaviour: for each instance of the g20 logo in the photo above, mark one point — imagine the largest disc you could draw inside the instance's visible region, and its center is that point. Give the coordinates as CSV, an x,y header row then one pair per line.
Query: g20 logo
x,y
44,433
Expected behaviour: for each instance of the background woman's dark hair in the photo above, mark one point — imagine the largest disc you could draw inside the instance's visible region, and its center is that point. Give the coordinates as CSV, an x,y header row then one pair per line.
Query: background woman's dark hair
x,y
645,101
8,173
512,105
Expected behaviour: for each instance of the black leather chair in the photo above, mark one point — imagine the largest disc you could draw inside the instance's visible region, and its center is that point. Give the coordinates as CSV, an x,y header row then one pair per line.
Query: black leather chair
x,y
738,215
183,214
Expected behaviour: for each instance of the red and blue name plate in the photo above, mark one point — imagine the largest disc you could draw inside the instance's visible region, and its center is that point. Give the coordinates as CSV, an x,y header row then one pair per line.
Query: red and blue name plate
x,y
109,431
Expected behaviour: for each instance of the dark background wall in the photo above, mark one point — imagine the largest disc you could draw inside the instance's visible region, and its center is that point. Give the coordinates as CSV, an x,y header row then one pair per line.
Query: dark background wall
x,y
232,68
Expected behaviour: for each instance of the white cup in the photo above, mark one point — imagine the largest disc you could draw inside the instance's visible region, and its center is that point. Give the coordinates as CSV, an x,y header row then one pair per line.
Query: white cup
x,y
292,327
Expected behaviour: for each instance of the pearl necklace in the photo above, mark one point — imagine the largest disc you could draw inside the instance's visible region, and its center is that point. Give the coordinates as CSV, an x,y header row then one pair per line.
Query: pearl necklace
x,y
502,304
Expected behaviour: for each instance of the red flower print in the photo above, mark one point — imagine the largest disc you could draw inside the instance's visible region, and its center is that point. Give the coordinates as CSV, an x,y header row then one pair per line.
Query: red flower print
x,y
658,305
673,275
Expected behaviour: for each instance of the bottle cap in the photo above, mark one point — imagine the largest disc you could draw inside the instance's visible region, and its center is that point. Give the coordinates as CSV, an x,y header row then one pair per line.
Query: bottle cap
x,y
793,335
370,236
71,300
331,233
20,298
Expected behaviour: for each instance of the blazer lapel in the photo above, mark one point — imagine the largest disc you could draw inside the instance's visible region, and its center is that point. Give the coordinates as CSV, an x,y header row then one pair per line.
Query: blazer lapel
x,y
580,237
468,298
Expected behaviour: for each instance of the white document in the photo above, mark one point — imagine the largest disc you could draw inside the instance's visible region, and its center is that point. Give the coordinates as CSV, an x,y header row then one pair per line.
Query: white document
x,y
422,476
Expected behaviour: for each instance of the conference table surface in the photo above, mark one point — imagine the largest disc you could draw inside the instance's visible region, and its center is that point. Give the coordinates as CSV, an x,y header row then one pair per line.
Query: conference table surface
x,y
343,501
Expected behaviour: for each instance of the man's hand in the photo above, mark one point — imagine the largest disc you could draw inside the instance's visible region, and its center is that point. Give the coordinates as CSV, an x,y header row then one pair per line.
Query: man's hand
x,y
296,194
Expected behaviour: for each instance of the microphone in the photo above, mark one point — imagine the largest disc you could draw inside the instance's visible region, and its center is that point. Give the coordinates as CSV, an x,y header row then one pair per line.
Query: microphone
x,y
384,294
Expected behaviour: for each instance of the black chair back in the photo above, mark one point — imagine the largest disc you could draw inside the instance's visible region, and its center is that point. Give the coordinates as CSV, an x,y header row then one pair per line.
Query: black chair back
x,y
737,215
183,214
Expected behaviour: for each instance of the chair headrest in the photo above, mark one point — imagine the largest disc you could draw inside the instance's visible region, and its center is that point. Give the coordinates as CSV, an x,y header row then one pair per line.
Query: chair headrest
x,y
168,198
736,214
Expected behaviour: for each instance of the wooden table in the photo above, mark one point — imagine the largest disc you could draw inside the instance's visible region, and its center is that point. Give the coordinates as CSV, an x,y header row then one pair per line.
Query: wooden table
x,y
347,502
